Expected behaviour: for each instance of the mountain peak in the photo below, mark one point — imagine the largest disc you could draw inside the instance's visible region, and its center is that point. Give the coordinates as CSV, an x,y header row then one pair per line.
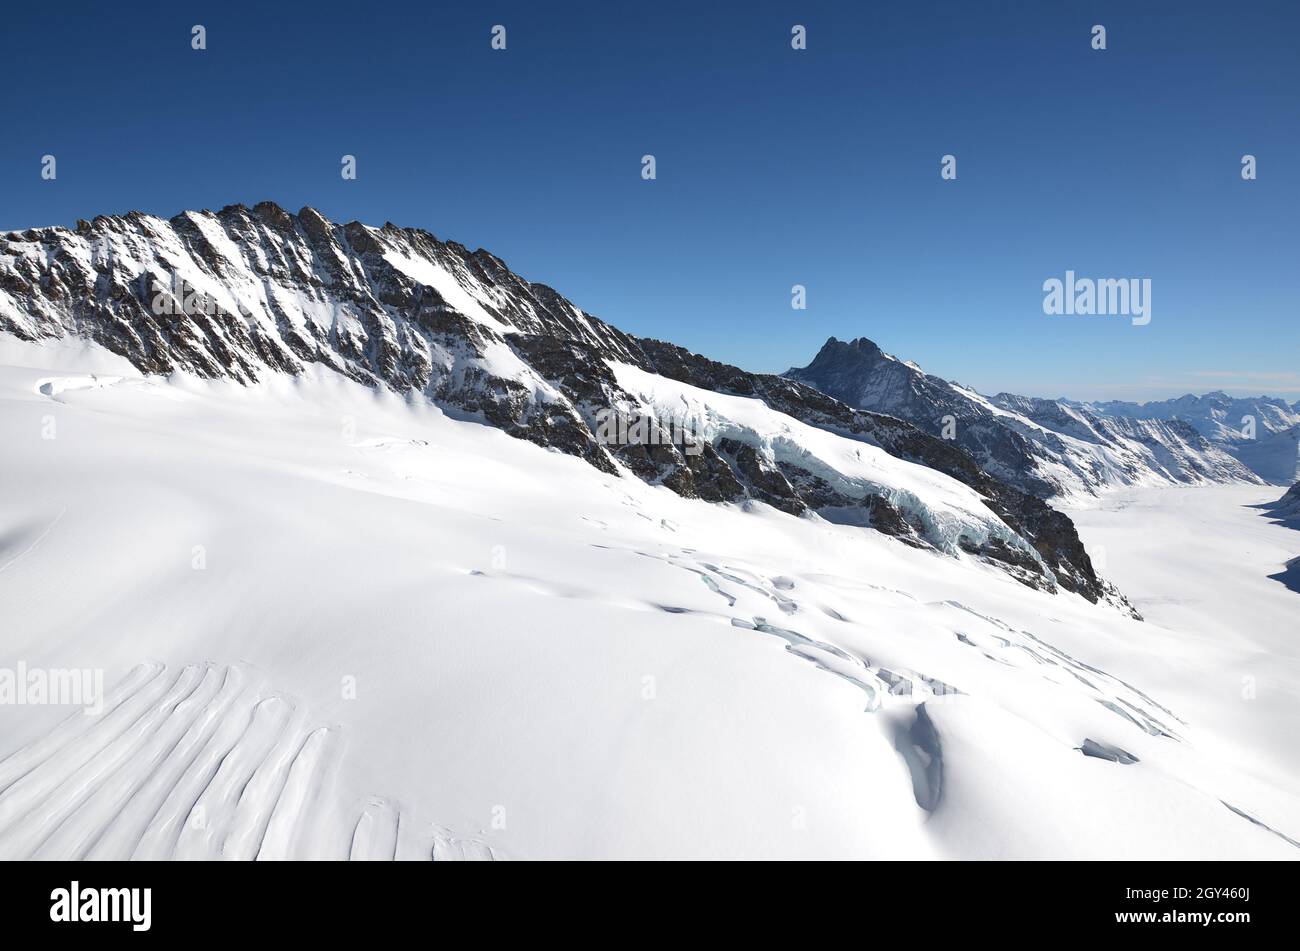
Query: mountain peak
x,y
1044,447
864,344
840,359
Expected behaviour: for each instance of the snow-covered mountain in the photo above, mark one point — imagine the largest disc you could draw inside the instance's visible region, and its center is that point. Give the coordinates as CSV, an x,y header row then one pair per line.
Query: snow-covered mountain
x,y
247,480
1262,432
247,293
1045,447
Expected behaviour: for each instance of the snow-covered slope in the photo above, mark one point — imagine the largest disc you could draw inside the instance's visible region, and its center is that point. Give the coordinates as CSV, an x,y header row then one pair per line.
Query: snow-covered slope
x,y
1046,447
514,653
246,294
1262,432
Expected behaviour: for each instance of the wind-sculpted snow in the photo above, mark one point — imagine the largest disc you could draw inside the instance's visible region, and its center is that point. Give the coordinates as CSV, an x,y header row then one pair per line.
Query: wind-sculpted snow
x,y
468,646
196,763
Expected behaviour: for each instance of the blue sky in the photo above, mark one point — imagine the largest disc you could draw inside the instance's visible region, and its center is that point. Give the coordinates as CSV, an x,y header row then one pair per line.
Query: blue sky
x,y
775,167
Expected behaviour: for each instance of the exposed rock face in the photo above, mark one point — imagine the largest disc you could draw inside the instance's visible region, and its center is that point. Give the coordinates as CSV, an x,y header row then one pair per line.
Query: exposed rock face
x,y
1045,447
247,292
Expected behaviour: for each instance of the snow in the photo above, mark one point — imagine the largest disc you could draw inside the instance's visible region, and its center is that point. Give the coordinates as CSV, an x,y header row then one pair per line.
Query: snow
x,y
444,641
9,310
446,284
1109,460
1198,563
947,507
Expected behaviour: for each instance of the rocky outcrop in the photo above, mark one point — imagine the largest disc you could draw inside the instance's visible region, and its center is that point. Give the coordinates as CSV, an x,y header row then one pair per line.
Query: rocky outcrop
x,y
1287,508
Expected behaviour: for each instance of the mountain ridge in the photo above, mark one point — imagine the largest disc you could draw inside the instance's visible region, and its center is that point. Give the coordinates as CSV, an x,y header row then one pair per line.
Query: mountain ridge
x,y
246,291
1048,448
1262,432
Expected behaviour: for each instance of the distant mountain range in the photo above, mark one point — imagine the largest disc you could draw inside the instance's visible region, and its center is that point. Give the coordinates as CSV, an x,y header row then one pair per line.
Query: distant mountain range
x,y
1053,448
1263,432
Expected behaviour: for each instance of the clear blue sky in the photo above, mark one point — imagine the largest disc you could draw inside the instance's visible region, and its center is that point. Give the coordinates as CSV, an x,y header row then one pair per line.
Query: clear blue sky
x,y
775,167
